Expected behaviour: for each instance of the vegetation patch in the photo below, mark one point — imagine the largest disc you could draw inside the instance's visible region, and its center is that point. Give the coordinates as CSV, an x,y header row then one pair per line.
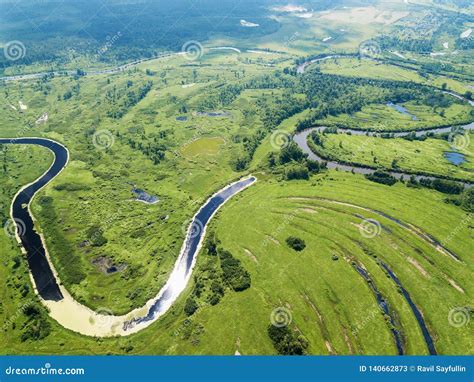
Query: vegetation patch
x,y
295,243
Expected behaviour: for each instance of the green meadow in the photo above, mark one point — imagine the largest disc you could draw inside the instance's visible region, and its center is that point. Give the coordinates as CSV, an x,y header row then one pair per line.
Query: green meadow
x,y
426,156
180,128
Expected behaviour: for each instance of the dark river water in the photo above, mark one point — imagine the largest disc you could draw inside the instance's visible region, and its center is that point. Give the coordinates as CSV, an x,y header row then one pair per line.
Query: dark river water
x,y
194,237
43,276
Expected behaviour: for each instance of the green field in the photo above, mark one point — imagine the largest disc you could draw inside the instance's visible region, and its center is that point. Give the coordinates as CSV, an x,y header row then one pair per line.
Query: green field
x,y
331,319
385,118
399,154
180,128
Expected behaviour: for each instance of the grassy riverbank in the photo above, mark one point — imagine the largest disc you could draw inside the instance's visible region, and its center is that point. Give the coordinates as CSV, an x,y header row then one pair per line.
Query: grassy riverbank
x,y
322,309
426,156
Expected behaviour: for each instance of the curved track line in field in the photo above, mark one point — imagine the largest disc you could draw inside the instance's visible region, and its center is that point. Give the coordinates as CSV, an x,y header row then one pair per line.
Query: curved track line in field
x,y
416,310
407,226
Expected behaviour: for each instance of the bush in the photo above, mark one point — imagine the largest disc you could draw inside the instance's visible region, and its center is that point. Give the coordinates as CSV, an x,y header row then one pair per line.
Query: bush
x,y
382,177
96,237
191,306
296,243
291,153
234,274
447,186
313,166
467,200
442,185
287,342
37,325
71,187
297,172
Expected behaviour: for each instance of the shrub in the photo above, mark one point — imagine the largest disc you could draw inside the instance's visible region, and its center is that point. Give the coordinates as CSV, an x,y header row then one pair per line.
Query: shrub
x,y
71,187
287,342
447,186
382,177
96,237
190,306
234,274
296,243
291,153
297,172
37,325
313,166
467,200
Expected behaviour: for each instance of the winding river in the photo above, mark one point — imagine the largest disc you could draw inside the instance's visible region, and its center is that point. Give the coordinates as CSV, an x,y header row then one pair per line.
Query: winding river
x,y
301,139
63,308
79,318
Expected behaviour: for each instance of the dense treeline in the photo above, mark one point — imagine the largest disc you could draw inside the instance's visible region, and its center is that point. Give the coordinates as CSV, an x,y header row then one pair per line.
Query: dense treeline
x,y
330,95
125,30
221,273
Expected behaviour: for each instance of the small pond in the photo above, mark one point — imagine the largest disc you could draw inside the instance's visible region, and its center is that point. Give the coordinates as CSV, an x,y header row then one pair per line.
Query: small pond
x,y
402,110
455,157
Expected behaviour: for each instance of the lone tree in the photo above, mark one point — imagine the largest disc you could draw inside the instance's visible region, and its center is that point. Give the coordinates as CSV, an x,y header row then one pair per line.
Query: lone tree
x,y
296,243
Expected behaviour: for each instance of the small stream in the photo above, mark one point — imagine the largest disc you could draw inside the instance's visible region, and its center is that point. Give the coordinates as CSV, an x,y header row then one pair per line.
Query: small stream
x,y
397,335
418,315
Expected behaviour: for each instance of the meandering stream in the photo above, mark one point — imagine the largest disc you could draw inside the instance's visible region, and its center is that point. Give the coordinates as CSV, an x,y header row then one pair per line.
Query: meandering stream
x,y
301,139
62,306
